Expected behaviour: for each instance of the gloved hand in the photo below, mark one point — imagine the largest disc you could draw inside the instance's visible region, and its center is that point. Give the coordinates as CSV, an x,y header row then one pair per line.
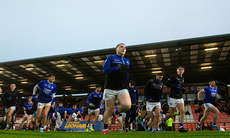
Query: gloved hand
x,y
179,86
123,67
150,100
91,105
200,102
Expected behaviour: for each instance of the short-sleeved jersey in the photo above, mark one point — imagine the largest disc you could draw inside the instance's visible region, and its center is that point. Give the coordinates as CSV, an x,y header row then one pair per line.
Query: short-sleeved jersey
x,y
94,98
70,111
46,92
81,110
60,109
210,95
74,110
30,108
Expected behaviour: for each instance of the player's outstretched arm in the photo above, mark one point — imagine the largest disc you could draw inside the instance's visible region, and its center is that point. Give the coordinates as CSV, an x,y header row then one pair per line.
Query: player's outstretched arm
x,y
199,94
35,89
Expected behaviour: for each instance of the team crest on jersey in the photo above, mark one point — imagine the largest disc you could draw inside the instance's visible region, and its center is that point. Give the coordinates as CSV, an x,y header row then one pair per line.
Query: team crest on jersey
x,y
213,94
134,90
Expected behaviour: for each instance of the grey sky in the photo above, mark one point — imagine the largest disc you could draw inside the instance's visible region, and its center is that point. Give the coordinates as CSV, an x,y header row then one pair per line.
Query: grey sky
x,y
38,28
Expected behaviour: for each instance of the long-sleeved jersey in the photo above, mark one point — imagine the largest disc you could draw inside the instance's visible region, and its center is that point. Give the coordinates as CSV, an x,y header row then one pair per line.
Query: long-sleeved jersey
x,y
95,99
153,90
133,92
10,98
176,83
116,70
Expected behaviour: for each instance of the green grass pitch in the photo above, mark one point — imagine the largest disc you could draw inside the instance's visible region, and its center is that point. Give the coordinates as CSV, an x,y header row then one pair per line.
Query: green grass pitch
x,y
113,134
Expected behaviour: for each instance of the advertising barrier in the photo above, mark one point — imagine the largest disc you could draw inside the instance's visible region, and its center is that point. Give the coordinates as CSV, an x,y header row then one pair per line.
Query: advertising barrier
x,y
80,126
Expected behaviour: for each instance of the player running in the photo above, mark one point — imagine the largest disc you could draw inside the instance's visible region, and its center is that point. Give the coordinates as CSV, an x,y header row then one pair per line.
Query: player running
x,y
116,68
153,93
29,109
10,99
94,101
176,83
46,95
211,93
58,115
73,113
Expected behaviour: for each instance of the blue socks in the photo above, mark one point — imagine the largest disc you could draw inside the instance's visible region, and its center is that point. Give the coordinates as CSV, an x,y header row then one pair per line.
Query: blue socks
x,y
105,126
93,126
181,125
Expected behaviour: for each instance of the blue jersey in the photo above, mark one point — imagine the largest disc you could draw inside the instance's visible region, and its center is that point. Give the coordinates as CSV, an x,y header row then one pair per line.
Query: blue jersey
x,y
59,109
94,98
35,98
81,110
102,108
70,111
29,107
74,110
210,95
116,69
46,92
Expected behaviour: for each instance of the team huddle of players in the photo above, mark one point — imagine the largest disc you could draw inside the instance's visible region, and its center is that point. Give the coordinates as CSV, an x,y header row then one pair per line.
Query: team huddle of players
x,y
42,110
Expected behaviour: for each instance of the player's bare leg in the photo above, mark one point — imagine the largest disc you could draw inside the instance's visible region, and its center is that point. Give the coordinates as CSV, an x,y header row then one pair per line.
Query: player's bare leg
x,y
125,103
108,111
170,113
22,123
29,118
156,119
180,106
87,122
95,120
38,116
8,118
149,120
44,119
